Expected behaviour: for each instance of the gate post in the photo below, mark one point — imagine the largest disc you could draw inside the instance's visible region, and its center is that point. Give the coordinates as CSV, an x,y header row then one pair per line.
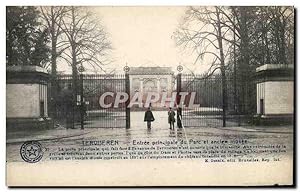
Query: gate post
x,y
178,88
127,89
178,98
81,103
224,98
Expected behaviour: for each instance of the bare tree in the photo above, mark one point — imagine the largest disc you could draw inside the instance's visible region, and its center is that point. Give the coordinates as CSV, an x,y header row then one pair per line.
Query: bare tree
x,y
281,34
87,39
250,36
204,33
53,17
265,35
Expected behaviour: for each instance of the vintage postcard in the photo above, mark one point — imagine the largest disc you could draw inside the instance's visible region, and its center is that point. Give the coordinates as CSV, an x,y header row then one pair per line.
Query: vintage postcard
x,y
150,95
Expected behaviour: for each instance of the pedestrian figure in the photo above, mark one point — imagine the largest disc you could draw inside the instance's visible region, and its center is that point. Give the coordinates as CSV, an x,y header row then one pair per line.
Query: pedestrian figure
x,y
84,110
69,107
179,117
149,117
171,118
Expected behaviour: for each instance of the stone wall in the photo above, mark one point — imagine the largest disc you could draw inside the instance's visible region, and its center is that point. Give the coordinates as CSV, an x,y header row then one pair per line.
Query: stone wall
x,y
22,101
275,94
26,98
278,97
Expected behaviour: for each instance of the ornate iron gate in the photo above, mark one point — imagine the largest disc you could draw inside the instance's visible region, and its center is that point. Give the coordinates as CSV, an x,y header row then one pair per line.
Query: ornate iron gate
x,y
81,106
209,96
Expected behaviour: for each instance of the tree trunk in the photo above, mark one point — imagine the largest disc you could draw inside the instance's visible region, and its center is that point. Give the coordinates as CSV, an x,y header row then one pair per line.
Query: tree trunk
x,y
54,86
222,61
74,72
245,73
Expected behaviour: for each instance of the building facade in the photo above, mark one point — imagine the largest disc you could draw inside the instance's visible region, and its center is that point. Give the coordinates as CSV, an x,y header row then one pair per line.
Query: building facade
x,y
275,92
145,80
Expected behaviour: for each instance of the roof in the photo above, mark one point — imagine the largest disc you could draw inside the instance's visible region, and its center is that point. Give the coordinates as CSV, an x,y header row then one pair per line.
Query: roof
x,y
274,67
151,71
26,68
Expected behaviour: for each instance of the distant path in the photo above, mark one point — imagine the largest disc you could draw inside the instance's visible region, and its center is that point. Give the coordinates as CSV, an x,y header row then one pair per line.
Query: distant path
x,y
161,120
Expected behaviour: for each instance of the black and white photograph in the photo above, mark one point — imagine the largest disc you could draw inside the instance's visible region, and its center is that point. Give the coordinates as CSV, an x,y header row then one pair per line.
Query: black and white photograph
x,y
150,96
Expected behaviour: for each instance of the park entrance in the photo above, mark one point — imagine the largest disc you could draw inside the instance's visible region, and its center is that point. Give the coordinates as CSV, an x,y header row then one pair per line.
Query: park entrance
x,y
78,101
216,109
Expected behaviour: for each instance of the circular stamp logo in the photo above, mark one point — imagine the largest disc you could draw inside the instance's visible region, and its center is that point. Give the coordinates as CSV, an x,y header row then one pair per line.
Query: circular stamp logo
x,y
126,69
81,69
179,68
31,151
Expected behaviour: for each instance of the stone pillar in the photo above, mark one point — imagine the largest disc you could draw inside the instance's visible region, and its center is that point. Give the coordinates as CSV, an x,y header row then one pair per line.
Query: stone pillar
x,y
27,98
158,85
141,85
275,93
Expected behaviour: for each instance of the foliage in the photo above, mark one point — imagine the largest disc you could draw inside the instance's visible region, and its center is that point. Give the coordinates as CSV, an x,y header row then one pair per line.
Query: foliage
x,y
26,41
249,37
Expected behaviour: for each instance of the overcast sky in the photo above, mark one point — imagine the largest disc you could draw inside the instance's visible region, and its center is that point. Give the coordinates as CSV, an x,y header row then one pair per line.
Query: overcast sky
x,y
142,36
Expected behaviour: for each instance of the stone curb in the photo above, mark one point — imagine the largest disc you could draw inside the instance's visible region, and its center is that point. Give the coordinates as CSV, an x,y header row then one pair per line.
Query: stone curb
x,y
45,139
